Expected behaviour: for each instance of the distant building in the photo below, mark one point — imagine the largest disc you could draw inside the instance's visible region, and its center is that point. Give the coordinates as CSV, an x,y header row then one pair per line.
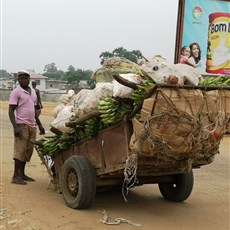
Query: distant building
x,y
40,81
44,84
7,83
56,84
10,83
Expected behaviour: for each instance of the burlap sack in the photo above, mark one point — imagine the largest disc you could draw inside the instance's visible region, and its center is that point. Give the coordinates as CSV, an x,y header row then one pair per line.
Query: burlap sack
x,y
187,100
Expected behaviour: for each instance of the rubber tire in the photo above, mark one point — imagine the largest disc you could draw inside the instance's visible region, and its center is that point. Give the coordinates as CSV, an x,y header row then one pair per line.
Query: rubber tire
x,y
79,169
180,190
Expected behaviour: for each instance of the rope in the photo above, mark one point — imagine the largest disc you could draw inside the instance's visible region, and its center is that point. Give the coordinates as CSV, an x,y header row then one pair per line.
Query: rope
x,y
117,221
172,133
130,174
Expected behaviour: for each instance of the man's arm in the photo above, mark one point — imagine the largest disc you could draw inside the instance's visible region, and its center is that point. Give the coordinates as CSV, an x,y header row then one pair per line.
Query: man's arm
x,y
39,101
41,129
17,130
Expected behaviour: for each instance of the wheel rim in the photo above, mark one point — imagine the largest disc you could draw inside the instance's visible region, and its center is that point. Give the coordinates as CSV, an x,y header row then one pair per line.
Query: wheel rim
x,y
78,182
72,183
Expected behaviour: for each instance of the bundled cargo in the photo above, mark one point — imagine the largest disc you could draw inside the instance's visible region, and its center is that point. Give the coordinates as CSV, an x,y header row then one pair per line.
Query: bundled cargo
x,y
182,124
138,134
116,65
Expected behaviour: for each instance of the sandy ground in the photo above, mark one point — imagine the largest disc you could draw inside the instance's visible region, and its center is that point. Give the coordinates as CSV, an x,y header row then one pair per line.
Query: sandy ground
x,y
33,206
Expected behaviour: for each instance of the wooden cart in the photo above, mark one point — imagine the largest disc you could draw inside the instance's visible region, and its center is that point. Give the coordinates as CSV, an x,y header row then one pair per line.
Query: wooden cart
x,y
106,161
99,163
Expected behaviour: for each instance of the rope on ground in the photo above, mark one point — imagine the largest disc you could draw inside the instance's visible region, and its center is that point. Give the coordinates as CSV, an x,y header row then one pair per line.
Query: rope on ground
x,y
117,221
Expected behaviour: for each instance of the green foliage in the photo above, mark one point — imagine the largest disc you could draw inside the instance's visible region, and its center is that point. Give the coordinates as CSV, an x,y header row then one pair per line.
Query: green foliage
x,y
52,75
52,72
121,52
71,68
105,55
73,77
4,74
51,68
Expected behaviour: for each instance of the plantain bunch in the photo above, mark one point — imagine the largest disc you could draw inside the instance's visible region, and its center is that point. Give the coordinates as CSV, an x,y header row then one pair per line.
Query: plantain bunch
x,y
47,146
112,111
139,95
215,81
65,140
91,127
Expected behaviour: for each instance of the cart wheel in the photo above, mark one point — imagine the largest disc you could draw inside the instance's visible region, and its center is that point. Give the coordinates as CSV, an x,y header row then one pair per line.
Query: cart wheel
x,y
78,182
179,190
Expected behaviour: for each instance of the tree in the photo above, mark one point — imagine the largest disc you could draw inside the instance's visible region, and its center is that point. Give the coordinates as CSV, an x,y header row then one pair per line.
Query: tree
x,y
71,68
105,55
52,72
4,74
121,52
73,77
50,68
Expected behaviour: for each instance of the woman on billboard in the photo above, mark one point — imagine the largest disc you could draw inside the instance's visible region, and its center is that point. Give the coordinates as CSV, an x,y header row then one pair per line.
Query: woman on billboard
x,y
195,54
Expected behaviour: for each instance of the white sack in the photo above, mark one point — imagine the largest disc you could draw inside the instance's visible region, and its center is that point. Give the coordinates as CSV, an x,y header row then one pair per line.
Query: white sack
x,y
122,91
90,103
63,117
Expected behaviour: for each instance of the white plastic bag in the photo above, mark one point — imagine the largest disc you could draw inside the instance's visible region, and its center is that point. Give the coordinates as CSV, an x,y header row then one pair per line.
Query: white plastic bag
x,y
90,102
62,117
122,91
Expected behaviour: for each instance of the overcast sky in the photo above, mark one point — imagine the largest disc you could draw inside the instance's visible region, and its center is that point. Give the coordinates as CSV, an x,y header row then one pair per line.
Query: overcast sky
x,y
35,33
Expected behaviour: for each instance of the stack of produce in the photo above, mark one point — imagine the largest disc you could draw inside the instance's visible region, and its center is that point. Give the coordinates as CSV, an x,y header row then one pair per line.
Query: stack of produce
x,y
110,108
215,81
112,111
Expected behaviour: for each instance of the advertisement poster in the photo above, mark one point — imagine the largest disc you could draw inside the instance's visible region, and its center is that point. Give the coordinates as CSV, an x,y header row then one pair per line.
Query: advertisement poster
x,y
203,36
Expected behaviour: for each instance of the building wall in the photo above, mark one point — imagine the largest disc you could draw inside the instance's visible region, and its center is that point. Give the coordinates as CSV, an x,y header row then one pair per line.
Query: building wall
x,y
56,84
41,84
4,96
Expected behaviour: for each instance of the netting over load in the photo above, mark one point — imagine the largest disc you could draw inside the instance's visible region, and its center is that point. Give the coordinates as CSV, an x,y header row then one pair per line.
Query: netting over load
x,y
182,124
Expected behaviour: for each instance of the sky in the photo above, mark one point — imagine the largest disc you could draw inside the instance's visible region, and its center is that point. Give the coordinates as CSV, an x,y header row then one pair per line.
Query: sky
x,y
75,32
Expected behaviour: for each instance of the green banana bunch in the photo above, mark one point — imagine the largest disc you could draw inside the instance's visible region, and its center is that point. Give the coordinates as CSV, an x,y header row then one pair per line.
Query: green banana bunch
x,y
137,116
65,140
138,95
48,147
113,111
79,133
147,82
107,109
91,127
123,111
215,81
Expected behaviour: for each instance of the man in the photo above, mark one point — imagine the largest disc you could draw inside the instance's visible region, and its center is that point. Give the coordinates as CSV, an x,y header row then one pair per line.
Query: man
x,y
38,105
24,120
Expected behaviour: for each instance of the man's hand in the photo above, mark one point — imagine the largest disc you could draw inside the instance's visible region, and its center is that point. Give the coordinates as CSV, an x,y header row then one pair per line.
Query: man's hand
x,y
42,130
17,131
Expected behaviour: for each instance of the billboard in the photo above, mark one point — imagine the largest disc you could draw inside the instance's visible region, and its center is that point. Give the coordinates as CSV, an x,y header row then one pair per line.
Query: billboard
x,y
203,35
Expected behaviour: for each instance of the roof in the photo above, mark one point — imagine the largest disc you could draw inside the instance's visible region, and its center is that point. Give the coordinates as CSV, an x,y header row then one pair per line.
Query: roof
x,y
37,76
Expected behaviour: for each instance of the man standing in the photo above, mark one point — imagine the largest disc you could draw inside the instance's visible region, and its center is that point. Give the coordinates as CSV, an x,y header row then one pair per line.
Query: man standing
x,y
24,120
38,105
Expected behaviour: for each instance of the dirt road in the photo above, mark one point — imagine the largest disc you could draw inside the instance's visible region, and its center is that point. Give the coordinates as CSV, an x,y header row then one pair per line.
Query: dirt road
x,y
33,206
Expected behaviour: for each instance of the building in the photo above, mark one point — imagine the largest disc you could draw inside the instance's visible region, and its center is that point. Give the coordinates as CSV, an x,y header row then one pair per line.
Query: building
x,y
10,83
40,81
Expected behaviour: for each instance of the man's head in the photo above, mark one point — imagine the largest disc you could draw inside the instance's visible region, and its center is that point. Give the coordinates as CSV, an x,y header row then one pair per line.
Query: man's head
x,y
33,84
23,78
